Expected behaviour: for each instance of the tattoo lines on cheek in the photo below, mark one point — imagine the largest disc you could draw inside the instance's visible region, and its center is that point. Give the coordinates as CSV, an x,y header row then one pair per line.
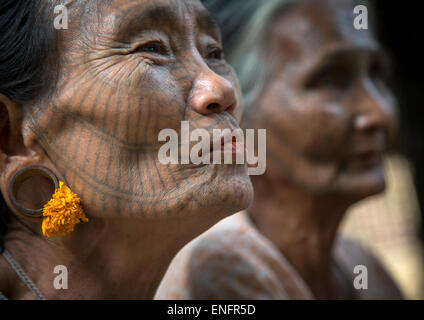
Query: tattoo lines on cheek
x,y
84,153
94,156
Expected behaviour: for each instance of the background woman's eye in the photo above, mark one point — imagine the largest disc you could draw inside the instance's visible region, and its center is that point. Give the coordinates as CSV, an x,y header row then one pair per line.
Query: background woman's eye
x,y
216,54
332,78
377,72
155,47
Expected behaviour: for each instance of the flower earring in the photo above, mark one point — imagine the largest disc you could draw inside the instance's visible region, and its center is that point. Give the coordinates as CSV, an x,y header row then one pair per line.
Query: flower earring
x,y
61,213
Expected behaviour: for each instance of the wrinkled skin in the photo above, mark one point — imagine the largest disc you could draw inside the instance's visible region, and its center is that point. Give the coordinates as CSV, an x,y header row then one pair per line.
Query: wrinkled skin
x,y
329,119
125,78
328,112
127,70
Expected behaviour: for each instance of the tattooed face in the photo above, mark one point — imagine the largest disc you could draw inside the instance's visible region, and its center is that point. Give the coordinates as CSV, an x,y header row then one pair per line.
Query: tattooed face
x,y
130,68
328,113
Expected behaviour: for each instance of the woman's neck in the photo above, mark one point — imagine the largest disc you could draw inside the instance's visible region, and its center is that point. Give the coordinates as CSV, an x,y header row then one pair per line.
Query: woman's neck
x,y
302,226
105,259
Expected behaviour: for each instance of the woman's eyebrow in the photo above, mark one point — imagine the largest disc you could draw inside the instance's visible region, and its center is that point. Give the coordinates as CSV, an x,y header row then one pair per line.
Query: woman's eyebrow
x,y
341,53
150,16
163,16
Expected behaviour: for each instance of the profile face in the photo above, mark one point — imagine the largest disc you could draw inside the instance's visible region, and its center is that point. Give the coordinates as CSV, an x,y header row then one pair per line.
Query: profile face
x,y
328,112
129,69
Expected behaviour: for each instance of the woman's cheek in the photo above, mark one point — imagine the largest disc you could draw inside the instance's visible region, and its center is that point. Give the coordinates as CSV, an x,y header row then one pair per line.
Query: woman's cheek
x,y
149,96
123,71
326,130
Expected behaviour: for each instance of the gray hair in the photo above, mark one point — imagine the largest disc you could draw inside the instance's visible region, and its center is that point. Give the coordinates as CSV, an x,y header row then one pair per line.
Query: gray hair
x,y
245,25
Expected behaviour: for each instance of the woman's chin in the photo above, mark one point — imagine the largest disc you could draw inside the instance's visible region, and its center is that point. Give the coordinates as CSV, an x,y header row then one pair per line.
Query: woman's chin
x,y
213,191
230,191
366,184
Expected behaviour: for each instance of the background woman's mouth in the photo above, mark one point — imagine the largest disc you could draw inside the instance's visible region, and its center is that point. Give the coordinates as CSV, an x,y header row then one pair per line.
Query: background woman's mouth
x,y
366,160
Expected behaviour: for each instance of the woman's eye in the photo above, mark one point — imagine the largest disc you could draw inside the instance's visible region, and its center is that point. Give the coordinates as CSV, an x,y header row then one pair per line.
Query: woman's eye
x,y
377,72
331,78
153,47
216,54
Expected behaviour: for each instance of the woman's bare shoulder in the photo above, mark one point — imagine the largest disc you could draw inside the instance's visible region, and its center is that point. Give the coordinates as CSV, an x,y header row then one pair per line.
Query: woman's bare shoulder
x,y
232,260
368,274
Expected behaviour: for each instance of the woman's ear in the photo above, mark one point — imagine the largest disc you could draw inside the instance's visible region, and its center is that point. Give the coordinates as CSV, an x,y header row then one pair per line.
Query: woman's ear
x,y
11,140
15,154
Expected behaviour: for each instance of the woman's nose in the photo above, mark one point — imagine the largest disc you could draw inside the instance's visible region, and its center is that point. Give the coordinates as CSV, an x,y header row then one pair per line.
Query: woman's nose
x,y
212,93
376,110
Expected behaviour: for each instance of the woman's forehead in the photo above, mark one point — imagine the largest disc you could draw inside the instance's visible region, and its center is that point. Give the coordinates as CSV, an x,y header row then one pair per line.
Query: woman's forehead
x,y
314,25
157,12
126,20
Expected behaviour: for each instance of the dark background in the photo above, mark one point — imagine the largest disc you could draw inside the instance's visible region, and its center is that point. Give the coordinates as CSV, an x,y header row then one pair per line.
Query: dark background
x,y
401,31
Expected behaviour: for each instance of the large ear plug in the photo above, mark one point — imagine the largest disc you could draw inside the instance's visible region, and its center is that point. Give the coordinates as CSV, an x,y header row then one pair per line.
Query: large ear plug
x,y
61,213
31,188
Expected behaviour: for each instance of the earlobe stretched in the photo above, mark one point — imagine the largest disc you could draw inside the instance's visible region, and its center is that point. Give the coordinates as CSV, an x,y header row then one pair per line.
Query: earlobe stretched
x,y
60,214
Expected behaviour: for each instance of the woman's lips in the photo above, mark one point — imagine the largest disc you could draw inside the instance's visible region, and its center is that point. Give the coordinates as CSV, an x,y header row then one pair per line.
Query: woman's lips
x,y
225,145
233,147
366,160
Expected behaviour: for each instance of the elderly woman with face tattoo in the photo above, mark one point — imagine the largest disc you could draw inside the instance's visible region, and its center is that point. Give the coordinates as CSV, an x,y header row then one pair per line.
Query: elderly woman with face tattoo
x,y
81,111
316,84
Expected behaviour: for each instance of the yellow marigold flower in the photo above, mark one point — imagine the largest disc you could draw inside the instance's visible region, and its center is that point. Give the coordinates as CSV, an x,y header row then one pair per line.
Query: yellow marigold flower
x,y
62,212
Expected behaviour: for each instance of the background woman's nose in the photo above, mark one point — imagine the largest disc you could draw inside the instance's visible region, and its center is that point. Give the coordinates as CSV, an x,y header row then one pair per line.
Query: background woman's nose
x,y
376,110
212,93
